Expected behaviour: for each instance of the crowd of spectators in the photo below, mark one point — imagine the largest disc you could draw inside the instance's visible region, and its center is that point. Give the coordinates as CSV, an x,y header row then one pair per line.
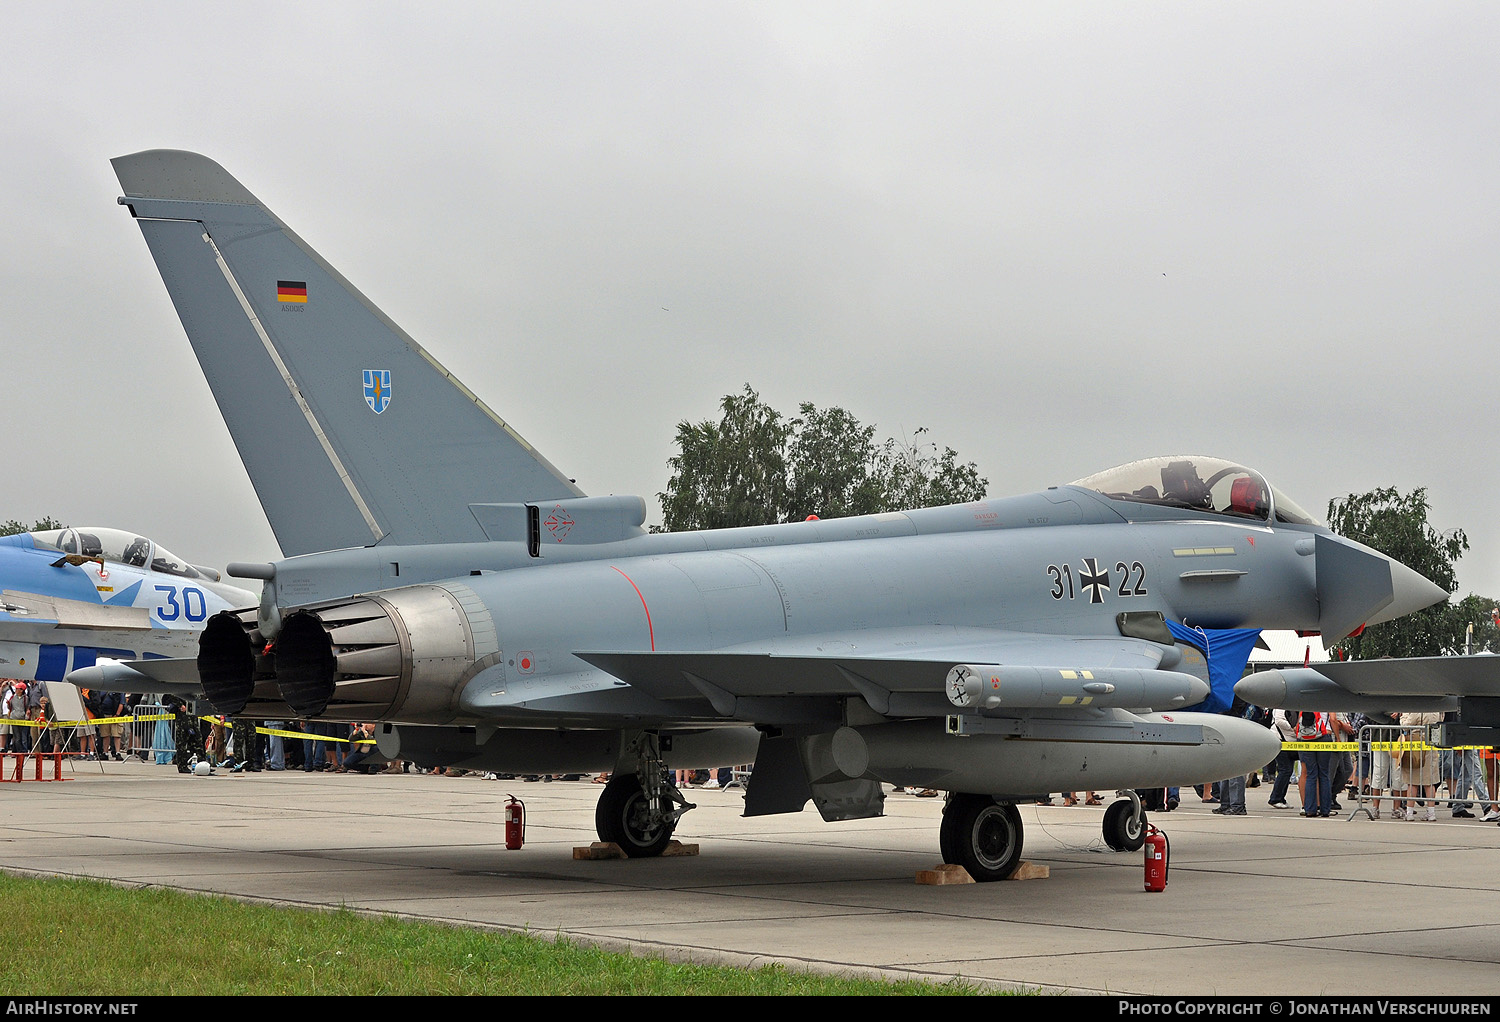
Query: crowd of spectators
x,y
277,745
1406,783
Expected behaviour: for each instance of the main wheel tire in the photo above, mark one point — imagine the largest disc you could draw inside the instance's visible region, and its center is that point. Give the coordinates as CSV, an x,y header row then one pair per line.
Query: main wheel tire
x,y
949,842
982,835
1122,831
623,816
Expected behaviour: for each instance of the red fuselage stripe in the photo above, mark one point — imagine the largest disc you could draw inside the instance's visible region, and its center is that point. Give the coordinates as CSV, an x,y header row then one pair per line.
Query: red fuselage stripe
x,y
650,632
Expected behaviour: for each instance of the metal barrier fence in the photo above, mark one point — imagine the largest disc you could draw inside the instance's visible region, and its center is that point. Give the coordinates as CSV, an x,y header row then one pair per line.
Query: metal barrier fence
x,y
1394,758
143,732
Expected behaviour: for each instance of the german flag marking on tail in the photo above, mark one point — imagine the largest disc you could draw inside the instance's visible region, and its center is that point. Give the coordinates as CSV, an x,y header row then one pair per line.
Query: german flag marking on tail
x,y
291,290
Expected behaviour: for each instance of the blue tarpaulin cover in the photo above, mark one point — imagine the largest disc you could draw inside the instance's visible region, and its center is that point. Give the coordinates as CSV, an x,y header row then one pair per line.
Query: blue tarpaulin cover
x,y
1227,651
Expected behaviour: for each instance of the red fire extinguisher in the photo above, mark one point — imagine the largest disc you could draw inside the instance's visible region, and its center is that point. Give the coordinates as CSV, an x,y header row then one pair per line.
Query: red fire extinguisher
x,y
515,823
1156,859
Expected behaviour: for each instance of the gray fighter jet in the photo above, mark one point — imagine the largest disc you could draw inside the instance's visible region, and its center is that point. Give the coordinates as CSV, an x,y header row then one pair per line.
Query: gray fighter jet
x,y
446,580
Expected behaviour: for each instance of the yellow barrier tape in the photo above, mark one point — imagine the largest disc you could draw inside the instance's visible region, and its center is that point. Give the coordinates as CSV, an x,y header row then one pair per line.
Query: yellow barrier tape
x,y
303,735
1376,746
300,735
96,721
76,723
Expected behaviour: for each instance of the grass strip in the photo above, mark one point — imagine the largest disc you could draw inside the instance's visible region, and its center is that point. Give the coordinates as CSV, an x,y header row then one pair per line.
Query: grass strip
x,y
71,937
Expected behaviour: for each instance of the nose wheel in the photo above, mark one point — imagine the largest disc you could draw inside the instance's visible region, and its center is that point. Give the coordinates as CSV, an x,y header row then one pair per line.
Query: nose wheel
x,y
981,835
1125,825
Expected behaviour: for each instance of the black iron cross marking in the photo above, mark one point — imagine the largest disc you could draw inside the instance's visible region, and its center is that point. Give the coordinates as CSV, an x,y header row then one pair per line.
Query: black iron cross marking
x,y
1094,580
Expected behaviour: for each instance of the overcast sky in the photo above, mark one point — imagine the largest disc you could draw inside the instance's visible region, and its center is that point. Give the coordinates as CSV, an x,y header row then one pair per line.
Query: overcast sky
x,y
1062,236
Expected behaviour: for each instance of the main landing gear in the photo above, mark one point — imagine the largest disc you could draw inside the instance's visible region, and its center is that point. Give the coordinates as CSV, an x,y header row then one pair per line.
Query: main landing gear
x,y
985,837
981,835
639,811
639,820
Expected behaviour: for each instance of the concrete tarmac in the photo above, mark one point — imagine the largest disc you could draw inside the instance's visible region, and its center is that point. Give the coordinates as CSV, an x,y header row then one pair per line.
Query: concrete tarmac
x,y
1268,904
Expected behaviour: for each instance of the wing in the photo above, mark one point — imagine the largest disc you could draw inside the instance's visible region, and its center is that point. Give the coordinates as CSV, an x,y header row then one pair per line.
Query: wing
x,y
994,670
1008,672
1414,684
31,617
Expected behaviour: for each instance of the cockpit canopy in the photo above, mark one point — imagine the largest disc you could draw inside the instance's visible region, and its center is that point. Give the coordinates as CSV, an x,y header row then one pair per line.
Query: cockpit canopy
x,y
121,547
1199,484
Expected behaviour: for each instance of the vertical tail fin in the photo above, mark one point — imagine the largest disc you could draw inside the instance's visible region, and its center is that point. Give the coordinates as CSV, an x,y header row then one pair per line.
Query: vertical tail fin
x,y
352,434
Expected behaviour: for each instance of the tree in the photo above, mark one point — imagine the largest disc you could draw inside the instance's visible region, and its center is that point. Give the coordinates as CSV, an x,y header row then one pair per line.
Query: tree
x,y
1396,525
915,475
1480,612
11,527
731,473
756,467
828,466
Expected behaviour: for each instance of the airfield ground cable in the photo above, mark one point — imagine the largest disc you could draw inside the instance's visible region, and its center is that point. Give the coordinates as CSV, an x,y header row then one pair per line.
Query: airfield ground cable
x,y
1096,844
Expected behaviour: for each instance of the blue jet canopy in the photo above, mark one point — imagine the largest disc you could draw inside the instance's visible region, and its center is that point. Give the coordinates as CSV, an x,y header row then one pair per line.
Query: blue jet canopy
x,y
120,547
1199,484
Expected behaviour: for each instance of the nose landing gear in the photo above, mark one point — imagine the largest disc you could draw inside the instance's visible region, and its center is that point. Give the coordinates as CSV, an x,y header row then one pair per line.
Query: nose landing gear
x,y
1125,824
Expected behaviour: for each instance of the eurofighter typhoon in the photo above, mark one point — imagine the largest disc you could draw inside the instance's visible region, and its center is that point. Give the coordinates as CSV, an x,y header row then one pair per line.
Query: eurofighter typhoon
x,y
444,579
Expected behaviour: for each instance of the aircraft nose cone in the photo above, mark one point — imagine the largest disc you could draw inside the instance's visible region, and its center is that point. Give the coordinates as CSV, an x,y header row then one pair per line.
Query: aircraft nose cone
x,y
1358,585
1412,592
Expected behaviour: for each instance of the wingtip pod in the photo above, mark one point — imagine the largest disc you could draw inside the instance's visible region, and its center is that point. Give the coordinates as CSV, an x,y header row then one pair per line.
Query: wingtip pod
x,y
1268,688
177,174
1303,688
173,677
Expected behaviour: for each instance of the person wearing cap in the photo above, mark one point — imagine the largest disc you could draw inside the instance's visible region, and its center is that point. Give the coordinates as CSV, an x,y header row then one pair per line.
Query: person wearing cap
x,y
362,746
20,735
7,693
